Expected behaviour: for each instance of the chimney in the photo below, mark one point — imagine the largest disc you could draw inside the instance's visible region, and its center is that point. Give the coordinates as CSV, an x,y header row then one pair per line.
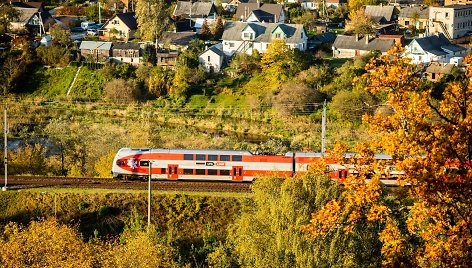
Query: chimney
x,y
245,13
366,39
357,37
258,3
275,18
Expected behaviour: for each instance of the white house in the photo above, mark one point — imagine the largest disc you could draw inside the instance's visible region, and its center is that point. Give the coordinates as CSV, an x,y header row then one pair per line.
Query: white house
x,y
212,59
247,36
453,21
435,48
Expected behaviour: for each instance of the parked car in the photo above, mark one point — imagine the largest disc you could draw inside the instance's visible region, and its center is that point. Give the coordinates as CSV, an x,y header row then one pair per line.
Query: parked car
x,y
92,32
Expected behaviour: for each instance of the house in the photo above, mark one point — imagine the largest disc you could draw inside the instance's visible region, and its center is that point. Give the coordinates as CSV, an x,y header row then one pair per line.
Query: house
x,y
414,17
381,14
258,12
435,71
31,20
246,36
184,10
409,3
176,40
122,26
454,21
320,39
434,48
166,59
124,52
457,2
95,51
212,59
335,3
350,46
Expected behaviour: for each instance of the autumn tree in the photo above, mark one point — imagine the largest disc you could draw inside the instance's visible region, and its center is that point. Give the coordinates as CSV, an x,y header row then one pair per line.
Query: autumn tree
x,y
60,35
429,135
296,98
360,23
121,91
152,19
218,29
356,4
205,32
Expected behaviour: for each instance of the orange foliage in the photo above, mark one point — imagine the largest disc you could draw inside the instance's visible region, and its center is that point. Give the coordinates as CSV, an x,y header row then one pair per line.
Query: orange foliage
x,y
430,139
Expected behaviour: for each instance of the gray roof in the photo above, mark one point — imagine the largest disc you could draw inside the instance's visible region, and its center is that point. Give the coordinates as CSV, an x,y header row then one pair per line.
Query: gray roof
x,y
263,31
435,44
95,45
179,38
327,37
245,9
216,50
126,45
409,12
25,14
380,11
349,42
456,6
199,9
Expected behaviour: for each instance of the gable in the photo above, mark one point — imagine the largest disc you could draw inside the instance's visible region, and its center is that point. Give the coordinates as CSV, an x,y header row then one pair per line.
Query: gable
x,y
278,33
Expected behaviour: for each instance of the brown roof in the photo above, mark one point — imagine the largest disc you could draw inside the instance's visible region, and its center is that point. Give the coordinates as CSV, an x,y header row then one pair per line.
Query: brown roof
x,y
245,9
438,68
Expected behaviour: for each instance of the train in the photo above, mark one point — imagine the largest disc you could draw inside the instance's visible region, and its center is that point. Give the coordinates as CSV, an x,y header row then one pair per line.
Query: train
x,y
227,165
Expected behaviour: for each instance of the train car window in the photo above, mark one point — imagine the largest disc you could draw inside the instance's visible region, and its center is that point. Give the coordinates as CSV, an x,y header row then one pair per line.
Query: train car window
x,y
224,157
201,157
212,157
238,158
224,172
144,163
212,172
188,156
188,171
200,171
163,170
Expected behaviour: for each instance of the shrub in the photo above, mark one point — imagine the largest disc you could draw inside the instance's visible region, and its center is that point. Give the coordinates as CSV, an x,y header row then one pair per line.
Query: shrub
x,y
54,55
121,91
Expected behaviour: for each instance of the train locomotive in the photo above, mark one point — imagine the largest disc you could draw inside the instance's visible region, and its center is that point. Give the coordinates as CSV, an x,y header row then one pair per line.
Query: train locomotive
x,y
217,165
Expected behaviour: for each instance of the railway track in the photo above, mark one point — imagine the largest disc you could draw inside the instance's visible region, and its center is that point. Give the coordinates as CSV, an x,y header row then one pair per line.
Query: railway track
x,y
30,182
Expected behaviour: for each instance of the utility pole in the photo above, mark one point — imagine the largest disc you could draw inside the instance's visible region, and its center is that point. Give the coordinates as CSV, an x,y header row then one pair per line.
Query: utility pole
x,y
323,128
5,134
99,13
149,195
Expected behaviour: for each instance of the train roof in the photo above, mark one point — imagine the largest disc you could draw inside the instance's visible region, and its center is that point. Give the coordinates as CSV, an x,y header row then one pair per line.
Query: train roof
x,y
183,151
346,155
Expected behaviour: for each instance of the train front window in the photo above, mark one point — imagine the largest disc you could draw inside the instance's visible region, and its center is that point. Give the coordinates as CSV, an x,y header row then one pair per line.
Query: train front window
x,y
212,157
201,157
188,156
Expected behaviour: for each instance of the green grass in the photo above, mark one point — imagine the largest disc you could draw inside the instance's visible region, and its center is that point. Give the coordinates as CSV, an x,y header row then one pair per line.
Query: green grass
x,y
197,101
89,84
50,82
334,62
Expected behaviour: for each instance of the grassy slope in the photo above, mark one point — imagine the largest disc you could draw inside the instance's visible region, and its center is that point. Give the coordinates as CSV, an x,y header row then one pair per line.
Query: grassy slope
x,y
50,82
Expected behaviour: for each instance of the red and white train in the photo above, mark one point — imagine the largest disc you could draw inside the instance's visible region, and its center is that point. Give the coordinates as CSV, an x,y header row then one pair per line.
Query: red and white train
x,y
219,165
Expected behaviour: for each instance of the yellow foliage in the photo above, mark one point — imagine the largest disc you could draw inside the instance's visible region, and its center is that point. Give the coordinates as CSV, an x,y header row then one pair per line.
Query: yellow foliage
x,y
103,165
44,244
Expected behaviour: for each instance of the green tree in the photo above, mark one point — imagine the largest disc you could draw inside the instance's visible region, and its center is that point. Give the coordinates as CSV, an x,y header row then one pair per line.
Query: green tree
x,y
7,15
152,17
60,35
296,98
357,4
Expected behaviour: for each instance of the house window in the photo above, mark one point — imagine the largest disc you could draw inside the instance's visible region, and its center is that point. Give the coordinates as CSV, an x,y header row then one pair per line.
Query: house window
x,y
277,35
208,58
247,35
447,14
231,44
407,23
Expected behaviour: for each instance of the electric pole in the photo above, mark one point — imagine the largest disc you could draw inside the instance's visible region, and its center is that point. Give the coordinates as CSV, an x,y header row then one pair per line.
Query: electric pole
x,y
323,128
149,195
5,134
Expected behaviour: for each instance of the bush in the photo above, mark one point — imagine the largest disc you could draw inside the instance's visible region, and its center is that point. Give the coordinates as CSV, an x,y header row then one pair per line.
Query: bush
x,y
54,55
121,91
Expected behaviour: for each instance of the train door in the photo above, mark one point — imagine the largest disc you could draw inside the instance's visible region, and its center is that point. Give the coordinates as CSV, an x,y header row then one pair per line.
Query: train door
x,y
237,174
172,172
